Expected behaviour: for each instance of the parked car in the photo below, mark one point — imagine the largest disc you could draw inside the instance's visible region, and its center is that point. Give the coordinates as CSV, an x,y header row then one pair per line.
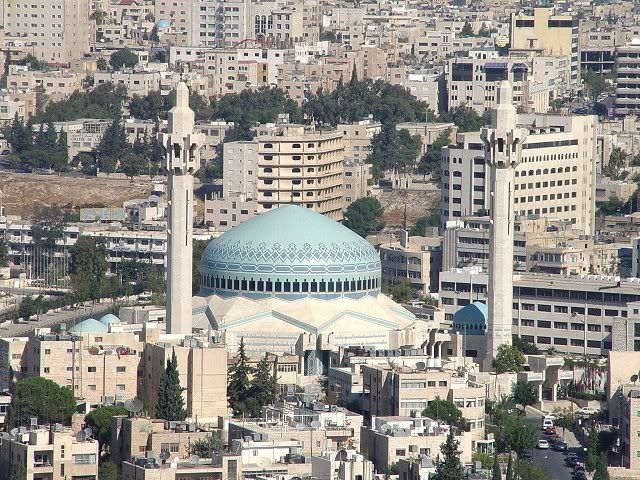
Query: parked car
x,y
587,411
526,456
560,445
543,444
580,475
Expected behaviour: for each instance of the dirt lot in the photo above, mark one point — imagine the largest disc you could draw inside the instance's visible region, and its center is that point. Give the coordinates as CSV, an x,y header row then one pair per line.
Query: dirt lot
x,y
22,193
418,204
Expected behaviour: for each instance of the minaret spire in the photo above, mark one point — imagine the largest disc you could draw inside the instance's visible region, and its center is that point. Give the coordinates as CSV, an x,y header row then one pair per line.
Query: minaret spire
x,y
183,159
503,152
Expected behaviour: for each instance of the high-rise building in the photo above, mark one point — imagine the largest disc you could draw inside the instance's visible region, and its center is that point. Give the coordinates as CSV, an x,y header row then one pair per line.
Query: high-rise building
x,y
551,33
627,86
56,31
183,159
555,179
503,147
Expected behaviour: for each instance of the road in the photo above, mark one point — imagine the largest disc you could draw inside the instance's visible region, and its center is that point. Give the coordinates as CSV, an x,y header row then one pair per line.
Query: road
x,y
550,460
54,318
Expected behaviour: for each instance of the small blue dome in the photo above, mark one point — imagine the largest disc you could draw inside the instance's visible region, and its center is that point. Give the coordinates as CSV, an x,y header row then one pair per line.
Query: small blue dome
x,y
290,251
471,319
162,24
109,318
90,325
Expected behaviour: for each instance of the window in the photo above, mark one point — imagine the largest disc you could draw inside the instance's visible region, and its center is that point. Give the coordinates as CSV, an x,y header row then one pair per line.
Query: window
x,y
91,369
120,386
46,369
121,369
47,351
92,388
84,458
400,452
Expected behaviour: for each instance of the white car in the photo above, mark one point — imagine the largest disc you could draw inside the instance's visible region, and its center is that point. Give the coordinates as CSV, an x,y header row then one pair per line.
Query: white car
x,y
587,411
543,444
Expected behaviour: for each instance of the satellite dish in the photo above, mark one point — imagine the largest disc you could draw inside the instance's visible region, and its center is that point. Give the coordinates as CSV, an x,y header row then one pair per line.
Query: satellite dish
x,y
315,425
421,366
81,436
134,405
194,459
263,462
164,455
14,432
88,432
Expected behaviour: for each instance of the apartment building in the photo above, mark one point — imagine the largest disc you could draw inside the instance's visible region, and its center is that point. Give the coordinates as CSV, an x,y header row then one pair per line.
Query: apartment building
x,y
555,179
202,366
48,452
473,82
285,164
627,75
394,438
132,437
356,138
56,84
554,34
393,391
575,314
57,31
137,83
416,260
339,428
96,364
357,178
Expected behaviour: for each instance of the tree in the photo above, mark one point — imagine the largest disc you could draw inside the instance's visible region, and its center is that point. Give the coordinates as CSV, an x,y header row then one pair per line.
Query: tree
x,y
87,268
419,229
517,435
170,404
238,387
525,346
509,475
496,473
466,119
99,419
113,147
364,216
467,30
400,292
4,253
617,161
565,421
104,101
612,206
41,398
149,107
431,161
508,359
123,58
525,393
595,83
107,471
529,471
444,411
208,446
601,472
133,165
27,307
99,16
102,65
450,467
263,389
17,471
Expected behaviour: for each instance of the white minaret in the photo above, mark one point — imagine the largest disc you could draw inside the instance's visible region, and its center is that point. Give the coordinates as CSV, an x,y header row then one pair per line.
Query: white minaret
x,y
183,159
503,151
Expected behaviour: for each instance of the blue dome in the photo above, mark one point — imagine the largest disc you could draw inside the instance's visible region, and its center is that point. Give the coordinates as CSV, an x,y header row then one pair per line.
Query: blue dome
x,y
293,252
109,318
162,24
90,325
471,319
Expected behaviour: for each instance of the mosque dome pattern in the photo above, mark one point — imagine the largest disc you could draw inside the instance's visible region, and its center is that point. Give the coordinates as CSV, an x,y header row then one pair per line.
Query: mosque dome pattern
x,y
291,251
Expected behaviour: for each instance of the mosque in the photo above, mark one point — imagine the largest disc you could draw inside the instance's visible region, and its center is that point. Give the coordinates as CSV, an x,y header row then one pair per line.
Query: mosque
x,y
294,281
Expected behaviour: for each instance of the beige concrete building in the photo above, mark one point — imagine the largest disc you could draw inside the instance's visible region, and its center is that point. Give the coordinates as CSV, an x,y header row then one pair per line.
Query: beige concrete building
x,y
203,375
555,34
416,260
52,453
97,366
137,83
56,84
356,138
284,165
357,177
394,438
58,31
403,390
224,467
555,179
133,437
627,69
